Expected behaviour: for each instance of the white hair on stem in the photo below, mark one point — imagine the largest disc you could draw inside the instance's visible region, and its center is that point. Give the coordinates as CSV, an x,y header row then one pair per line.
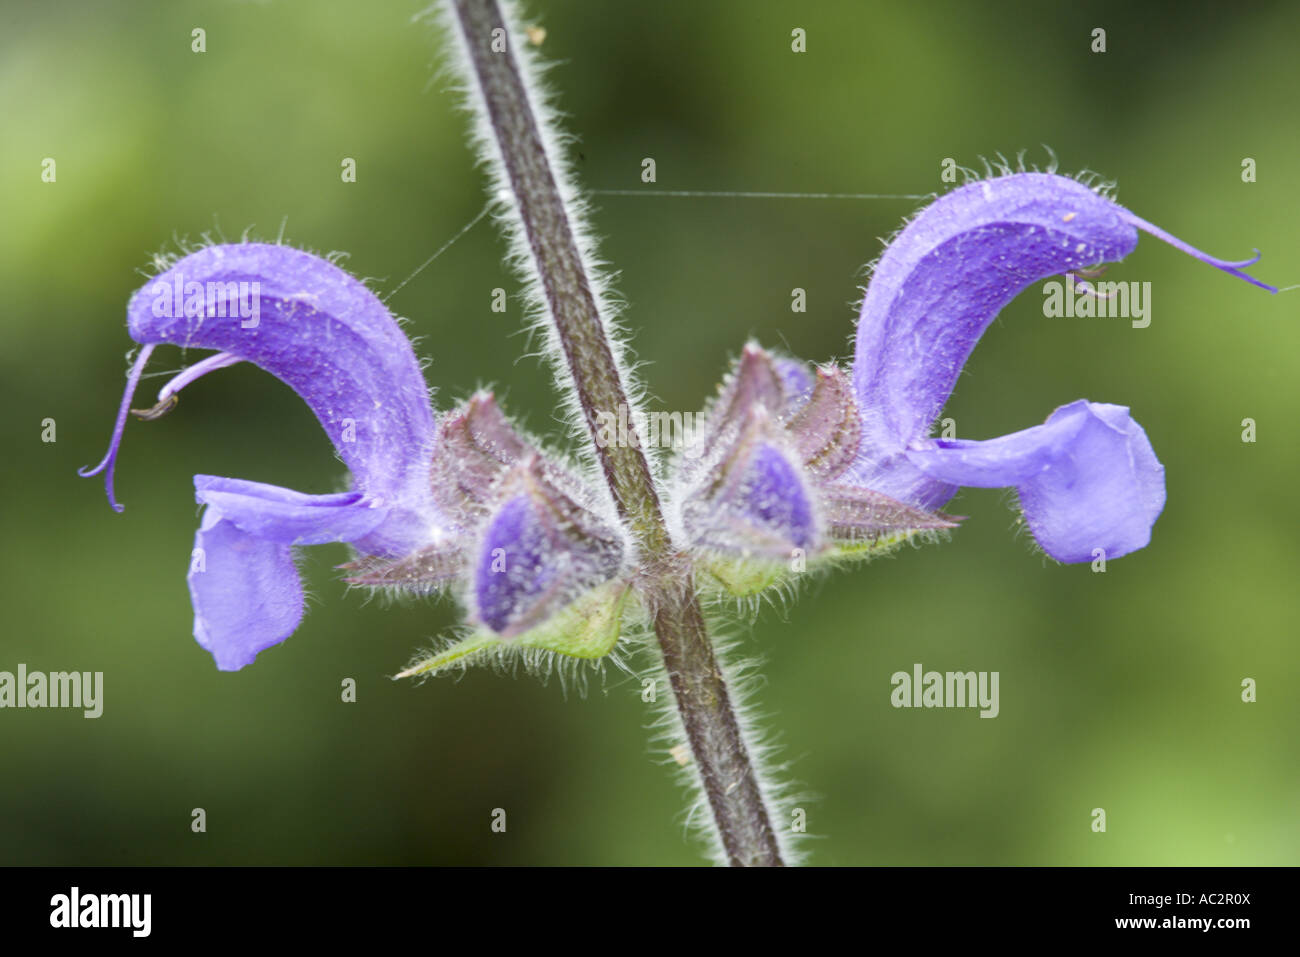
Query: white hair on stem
x,y
505,213
781,795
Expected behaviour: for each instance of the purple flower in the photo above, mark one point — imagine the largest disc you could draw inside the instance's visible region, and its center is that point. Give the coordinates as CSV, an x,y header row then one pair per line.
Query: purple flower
x,y
323,333
1087,478
429,505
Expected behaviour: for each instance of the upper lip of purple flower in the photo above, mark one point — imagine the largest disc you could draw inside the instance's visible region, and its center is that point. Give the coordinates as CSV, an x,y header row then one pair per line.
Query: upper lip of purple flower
x,y
329,338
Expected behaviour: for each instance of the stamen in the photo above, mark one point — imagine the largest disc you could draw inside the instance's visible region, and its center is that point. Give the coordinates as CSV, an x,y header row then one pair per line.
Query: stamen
x,y
1085,288
168,397
109,461
1228,266
157,411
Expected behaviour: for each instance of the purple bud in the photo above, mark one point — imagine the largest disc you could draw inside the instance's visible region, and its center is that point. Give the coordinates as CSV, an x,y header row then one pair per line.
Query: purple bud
x,y
751,497
756,382
539,551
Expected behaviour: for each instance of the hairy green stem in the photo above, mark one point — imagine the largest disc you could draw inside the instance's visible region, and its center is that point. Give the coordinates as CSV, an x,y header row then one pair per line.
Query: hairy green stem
x,y
665,576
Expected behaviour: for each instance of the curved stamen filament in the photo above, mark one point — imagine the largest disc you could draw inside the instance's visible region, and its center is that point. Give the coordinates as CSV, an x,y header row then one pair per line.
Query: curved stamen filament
x,y
107,463
166,402
1230,267
168,395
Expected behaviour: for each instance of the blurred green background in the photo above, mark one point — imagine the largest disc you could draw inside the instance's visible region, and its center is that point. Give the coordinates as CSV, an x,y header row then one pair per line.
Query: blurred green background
x,y
1119,691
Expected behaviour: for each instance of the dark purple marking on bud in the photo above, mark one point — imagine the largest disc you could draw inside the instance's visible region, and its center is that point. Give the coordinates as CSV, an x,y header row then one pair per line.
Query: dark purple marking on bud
x,y
776,497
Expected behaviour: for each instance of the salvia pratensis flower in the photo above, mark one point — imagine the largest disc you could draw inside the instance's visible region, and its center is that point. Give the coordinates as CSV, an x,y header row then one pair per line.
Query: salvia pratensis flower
x,y
325,335
1088,480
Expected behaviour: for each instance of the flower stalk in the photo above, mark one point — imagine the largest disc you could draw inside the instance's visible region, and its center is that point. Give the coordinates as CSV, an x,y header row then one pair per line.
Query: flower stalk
x,y
665,576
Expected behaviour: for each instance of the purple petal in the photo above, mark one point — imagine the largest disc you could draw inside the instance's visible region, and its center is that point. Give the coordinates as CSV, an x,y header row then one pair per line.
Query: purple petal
x,y
287,517
939,285
245,592
328,337
1087,478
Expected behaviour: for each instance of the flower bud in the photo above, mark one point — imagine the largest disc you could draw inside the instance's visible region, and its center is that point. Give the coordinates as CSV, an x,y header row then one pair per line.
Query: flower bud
x,y
538,552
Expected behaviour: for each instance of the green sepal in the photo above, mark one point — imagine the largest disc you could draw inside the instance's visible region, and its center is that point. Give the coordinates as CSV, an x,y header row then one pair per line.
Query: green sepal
x,y
587,628
461,653
740,577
